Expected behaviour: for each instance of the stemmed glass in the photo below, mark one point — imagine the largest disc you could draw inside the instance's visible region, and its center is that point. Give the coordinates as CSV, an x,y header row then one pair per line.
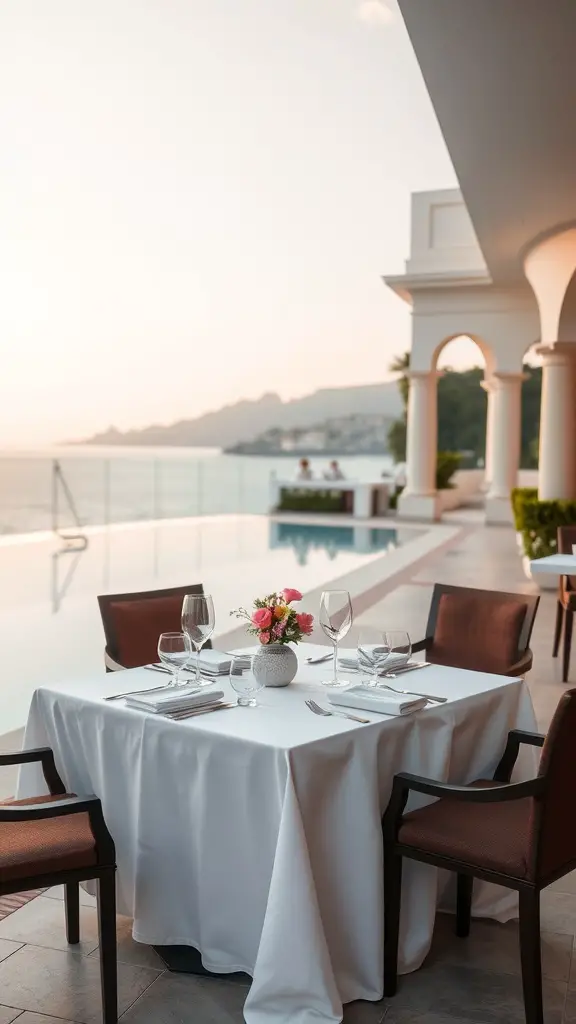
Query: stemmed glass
x,y
400,648
336,620
373,653
244,682
174,652
198,624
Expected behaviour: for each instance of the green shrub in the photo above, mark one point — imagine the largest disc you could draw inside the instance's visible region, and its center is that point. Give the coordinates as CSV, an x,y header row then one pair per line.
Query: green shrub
x,y
447,463
538,521
301,500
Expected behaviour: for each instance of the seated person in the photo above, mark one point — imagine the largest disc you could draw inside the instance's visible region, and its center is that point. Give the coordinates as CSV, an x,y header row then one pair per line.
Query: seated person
x,y
304,473
334,472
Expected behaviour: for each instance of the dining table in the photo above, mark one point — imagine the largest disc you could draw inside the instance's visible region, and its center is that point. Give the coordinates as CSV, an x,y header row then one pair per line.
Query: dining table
x,y
254,834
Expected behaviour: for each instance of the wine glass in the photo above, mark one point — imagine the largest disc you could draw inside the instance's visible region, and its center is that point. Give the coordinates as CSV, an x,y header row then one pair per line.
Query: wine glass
x,y
244,682
400,647
373,653
198,624
335,619
174,652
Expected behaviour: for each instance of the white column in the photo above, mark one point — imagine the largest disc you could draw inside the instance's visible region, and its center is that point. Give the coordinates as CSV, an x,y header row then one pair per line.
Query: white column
x,y
557,461
488,387
418,500
505,440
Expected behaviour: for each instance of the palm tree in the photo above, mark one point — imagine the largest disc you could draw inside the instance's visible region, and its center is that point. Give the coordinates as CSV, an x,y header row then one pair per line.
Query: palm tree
x,y
399,365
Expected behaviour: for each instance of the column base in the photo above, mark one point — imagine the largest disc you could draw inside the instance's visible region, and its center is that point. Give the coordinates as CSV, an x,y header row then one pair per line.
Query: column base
x,y
498,511
421,507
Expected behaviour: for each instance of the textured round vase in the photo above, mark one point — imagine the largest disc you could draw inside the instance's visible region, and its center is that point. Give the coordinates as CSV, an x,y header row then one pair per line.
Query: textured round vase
x,y
275,664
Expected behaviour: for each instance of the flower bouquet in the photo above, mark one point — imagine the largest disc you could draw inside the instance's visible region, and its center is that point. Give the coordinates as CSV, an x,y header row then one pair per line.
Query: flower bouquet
x,y
273,621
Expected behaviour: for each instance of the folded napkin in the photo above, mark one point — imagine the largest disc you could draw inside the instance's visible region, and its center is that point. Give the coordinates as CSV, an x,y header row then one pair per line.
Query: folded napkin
x,y
216,663
369,698
391,663
174,699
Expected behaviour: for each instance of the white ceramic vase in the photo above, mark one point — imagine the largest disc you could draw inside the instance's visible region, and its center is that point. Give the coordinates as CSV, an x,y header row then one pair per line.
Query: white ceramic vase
x,y
275,664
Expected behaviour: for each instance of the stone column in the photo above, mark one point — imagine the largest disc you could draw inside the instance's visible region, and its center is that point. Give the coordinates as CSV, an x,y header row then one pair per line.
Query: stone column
x,y
488,386
419,498
505,439
557,459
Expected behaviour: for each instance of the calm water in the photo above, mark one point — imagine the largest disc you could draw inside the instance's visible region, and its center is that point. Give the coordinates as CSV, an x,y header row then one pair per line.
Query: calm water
x,y
114,485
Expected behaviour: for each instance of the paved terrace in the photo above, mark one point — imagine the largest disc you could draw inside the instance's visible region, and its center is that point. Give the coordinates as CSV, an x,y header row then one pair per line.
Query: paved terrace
x,y
477,979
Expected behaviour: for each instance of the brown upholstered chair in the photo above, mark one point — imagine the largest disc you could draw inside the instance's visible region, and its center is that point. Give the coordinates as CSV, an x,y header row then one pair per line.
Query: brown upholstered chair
x,y
133,622
62,839
483,630
566,606
520,835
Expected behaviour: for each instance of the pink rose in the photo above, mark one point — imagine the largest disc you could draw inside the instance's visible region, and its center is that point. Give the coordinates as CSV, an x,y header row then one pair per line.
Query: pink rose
x,y
290,595
305,622
262,618
264,638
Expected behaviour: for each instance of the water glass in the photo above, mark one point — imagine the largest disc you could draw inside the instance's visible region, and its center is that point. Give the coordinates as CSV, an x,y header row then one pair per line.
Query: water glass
x,y
244,682
174,651
400,647
336,619
373,654
198,623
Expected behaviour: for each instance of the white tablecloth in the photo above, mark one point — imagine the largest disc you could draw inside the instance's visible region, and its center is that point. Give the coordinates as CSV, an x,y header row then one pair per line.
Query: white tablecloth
x,y
254,834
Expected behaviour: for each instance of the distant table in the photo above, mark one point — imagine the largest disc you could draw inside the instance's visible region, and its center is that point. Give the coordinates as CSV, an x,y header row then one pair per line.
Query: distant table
x,y
559,565
254,834
361,498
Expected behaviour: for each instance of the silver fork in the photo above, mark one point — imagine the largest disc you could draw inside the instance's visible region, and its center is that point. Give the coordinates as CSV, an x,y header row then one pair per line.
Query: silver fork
x,y
134,693
412,693
317,710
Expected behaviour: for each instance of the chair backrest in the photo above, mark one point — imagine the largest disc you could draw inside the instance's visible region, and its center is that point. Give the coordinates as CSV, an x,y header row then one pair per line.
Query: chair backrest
x,y
554,821
566,537
133,622
483,630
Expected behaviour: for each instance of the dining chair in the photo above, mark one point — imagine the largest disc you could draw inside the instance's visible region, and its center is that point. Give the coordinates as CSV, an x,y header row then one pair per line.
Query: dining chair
x,y
519,835
133,622
566,603
482,630
62,839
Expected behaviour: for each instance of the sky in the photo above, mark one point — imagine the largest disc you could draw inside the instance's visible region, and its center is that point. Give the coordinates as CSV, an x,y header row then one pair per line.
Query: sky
x,y
198,199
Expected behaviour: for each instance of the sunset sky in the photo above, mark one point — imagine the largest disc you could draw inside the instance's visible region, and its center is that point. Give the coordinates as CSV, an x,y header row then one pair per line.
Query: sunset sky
x,y
198,199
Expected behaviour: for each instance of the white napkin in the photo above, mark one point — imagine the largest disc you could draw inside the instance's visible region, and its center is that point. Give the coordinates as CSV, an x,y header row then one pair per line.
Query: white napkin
x,y
215,663
369,698
174,699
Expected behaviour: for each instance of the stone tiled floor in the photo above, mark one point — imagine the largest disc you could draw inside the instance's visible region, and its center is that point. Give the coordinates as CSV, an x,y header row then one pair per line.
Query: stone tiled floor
x,y
474,980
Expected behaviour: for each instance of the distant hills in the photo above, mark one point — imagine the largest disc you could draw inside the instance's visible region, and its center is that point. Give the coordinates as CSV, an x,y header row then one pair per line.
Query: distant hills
x,y
245,420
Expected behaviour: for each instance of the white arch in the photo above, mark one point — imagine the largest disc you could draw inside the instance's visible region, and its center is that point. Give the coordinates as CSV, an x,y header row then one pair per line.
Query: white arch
x,y
549,268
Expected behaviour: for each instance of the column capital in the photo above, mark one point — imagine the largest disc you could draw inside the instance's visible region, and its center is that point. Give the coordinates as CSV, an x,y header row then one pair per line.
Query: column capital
x,y
561,352
500,378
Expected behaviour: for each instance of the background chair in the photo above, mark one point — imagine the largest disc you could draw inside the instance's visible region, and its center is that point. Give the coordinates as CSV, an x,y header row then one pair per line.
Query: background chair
x,y
62,839
133,622
521,835
482,630
566,605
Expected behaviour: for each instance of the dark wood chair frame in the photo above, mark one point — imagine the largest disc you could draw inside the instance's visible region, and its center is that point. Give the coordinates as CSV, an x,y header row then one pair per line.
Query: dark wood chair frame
x,y
529,891
104,870
564,615
523,663
104,602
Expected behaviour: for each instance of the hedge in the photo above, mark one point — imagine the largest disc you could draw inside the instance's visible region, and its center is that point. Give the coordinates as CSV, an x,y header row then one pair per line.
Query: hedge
x,y
538,521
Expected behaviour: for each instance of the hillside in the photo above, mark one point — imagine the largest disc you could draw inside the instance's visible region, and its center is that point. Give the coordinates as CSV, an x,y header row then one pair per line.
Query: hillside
x,y
245,420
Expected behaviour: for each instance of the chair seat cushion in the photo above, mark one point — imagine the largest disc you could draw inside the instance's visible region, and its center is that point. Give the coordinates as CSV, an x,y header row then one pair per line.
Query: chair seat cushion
x,y
29,848
493,836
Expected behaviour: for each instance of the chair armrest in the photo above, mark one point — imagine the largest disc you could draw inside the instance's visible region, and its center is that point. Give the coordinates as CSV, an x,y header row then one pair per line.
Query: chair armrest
x,y
523,665
405,783
46,756
420,645
91,805
506,764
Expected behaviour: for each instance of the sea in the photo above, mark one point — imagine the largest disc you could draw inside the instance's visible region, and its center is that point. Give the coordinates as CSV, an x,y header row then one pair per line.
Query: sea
x,y
66,487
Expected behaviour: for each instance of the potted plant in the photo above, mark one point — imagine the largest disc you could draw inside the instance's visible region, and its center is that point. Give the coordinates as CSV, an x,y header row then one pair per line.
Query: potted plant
x,y
276,625
537,525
